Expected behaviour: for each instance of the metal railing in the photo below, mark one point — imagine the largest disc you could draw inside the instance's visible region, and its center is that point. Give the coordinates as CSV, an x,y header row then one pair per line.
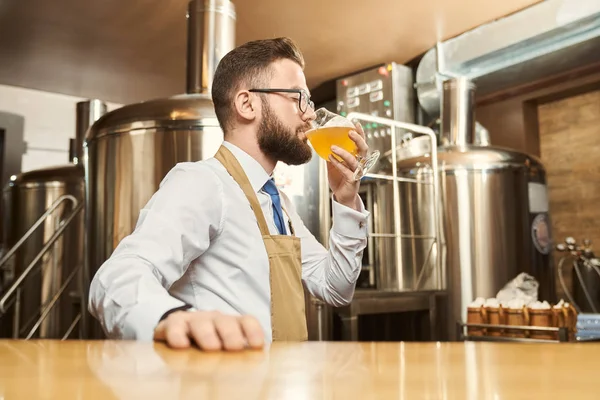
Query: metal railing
x,y
5,300
435,237
395,179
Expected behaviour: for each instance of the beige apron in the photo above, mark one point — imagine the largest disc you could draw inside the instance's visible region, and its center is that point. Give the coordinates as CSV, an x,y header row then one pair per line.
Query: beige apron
x,y
288,318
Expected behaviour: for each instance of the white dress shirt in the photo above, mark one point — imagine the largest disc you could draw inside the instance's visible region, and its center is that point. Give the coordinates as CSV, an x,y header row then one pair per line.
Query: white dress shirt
x,y
197,242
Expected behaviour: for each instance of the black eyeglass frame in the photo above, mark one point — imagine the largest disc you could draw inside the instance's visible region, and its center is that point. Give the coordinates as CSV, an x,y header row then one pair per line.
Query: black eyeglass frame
x,y
301,92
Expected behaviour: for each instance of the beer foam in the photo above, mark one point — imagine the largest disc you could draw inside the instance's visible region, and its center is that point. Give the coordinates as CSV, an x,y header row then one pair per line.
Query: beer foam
x,y
339,121
560,304
492,302
539,305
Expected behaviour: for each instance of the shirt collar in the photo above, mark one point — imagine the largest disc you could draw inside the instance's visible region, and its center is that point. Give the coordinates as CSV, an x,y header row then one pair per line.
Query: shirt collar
x,y
254,171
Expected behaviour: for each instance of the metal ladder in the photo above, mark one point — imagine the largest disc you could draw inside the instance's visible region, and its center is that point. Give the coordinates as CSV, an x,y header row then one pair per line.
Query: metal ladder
x,y
7,300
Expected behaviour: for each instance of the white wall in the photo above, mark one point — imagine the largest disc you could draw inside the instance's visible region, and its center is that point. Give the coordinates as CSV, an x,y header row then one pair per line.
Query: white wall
x,y
49,123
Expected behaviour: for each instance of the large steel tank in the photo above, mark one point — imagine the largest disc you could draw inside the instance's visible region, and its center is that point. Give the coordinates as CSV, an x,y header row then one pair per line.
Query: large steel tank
x,y
43,298
494,210
129,151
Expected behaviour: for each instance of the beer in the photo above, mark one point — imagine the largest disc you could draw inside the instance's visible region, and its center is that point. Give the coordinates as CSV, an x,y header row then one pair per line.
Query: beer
x,y
330,129
322,139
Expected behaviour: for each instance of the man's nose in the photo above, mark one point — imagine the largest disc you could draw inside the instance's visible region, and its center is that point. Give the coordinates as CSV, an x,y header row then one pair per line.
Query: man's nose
x,y
309,115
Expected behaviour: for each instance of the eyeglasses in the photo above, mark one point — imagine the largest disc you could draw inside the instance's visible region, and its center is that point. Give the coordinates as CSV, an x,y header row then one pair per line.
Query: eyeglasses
x,y
304,100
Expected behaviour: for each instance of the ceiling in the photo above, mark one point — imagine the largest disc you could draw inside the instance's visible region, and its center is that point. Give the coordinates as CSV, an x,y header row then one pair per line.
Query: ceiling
x,y
133,50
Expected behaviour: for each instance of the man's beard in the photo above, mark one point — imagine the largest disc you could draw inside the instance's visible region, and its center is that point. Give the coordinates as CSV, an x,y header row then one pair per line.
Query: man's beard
x,y
281,143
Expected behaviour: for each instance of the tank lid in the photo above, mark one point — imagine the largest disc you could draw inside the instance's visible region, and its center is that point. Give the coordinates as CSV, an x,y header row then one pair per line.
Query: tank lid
x,y
62,173
477,158
185,110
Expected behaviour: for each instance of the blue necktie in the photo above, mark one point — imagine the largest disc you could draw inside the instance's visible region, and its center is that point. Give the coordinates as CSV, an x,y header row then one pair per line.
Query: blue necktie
x,y
271,189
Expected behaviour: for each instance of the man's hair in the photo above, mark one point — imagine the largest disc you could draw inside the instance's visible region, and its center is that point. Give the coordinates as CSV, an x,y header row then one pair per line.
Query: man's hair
x,y
248,66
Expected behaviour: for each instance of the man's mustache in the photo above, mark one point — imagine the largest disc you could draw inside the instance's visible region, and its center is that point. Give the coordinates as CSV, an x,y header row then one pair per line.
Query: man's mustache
x,y
304,128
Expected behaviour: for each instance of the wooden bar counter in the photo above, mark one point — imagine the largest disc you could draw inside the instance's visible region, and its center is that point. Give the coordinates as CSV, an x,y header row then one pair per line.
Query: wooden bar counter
x,y
311,370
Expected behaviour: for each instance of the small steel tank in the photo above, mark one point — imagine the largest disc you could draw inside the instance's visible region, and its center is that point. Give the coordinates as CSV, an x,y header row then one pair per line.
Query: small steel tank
x,y
27,197
45,298
129,151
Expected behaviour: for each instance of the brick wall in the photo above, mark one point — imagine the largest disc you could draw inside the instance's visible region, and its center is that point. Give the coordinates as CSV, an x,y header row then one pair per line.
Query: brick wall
x,y
569,132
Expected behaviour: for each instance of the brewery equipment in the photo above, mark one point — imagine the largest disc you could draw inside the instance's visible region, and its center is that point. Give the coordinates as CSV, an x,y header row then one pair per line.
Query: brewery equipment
x,y
383,91
44,245
494,209
401,254
130,150
382,99
585,292
491,211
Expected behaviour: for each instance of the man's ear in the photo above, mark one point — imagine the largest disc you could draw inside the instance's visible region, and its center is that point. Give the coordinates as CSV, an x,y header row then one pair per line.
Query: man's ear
x,y
246,105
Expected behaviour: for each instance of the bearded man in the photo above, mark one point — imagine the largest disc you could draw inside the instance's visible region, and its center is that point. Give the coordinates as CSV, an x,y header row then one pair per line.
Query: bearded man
x,y
219,256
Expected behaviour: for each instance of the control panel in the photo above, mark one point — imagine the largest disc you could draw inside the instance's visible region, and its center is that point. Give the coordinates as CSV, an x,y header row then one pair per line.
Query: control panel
x,y
384,91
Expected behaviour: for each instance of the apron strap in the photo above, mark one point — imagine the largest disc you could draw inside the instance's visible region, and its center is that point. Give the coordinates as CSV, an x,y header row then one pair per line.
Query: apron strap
x,y
234,168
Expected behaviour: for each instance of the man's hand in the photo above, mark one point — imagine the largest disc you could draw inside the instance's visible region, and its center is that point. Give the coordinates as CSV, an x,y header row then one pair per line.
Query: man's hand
x,y
341,179
210,330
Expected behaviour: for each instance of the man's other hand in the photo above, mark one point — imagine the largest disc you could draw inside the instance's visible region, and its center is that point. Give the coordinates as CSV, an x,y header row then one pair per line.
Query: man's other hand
x,y
210,330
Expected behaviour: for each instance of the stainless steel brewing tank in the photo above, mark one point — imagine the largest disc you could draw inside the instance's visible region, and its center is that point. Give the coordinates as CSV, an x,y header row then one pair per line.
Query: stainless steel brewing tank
x,y
27,198
127,154
495,221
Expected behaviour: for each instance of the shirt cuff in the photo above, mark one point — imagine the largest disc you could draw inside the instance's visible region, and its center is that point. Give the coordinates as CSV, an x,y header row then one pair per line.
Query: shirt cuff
x,y
349,222
172,310
143,318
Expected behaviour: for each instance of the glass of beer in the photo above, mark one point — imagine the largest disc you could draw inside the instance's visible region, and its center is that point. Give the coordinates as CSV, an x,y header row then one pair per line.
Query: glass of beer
x,y
332,129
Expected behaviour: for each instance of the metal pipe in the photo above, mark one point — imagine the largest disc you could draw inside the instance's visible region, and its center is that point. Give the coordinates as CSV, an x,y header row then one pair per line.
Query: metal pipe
x,y
510,51
73,151
458,122
588,297
52,303
39,256
393,235
16,315
87,112
211,35
72,327
320,329
37,223
391,178
396,205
